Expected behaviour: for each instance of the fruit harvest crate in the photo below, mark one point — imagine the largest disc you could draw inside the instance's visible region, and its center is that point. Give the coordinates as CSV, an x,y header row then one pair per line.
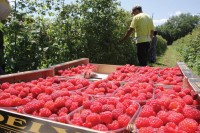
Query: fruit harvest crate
x,y
11,121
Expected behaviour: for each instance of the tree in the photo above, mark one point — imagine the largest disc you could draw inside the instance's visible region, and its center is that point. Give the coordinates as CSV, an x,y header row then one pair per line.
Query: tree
x,y
178,26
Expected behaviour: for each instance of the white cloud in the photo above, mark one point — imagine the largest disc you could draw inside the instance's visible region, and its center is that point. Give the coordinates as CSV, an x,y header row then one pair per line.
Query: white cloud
x,y
159,21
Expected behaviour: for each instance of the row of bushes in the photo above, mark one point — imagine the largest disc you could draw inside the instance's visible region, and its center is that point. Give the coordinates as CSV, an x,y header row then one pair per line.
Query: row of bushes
x,y
189,49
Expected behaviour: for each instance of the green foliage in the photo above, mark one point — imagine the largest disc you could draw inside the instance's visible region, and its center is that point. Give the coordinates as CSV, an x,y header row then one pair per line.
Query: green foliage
x,y
178,26
189,48
161,45
43,33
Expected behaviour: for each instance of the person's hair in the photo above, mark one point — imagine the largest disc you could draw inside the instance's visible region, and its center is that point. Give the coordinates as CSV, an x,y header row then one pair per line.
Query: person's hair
x,y
155,33
139,8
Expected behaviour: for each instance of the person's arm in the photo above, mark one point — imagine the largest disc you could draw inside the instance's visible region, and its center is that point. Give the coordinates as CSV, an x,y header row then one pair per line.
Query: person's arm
x,y
128,33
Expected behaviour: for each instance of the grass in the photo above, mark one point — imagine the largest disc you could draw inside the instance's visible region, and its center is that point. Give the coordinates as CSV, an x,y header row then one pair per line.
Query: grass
x,y
169,58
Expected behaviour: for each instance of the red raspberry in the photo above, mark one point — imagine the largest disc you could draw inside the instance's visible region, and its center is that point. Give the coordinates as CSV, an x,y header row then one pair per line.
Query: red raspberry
x,y
175,117
5,85
155,103
77,121
114,125
171,127
33,106
188,99
36,91
6,102
142,122
85,113
59,102
155,122
119,105
50,105
191,112
93,119
100,127
45,112
63,111
62,119
12,91
147,111
177,88
175,106
124,120
108,107
163,116
68,103
106,117
131,111
4,95
188,125
87,104
116,113
146,130
73,106
96,107
77,98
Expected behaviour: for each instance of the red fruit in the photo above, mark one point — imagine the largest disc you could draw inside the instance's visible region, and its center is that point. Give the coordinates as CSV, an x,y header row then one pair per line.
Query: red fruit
x,y
155,103
100,127
6,102
163,116
191,112
155,122
85,113
5,85
131,111
108,107
50,105
142,122
106,117
114,125
59,102
175,106
188,125
73,106
96,107
124,120
175,117
116,113
87,104
63,111
77,121
93,119
146,130
16,101
188,99
147,111
45,112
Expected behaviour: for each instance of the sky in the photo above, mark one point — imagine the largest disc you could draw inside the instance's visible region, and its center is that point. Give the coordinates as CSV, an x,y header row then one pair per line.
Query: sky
x,y
162,10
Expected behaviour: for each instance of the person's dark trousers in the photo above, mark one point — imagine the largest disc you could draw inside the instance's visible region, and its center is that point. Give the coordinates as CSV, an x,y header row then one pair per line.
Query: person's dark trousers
x,y
142,53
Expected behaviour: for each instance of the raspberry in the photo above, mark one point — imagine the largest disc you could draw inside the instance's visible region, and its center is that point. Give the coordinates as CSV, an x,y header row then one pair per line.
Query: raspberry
x,y
142,122
85,113
175,106
163,116
146,130
73,106
43,96
96,107
36,91
68,103
177,88
33,106
93,119
87,104
123,120
59,102
175,117
106,117
5,85
12,91
191,112
50,105
114,125
6,103
63,111
120,106
131,111
4,95
62,119
155,122
100,127
188,125
45,112
77,98
16,101
108,107
117,112
188,99
77,121
171,127
147,111
155,103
